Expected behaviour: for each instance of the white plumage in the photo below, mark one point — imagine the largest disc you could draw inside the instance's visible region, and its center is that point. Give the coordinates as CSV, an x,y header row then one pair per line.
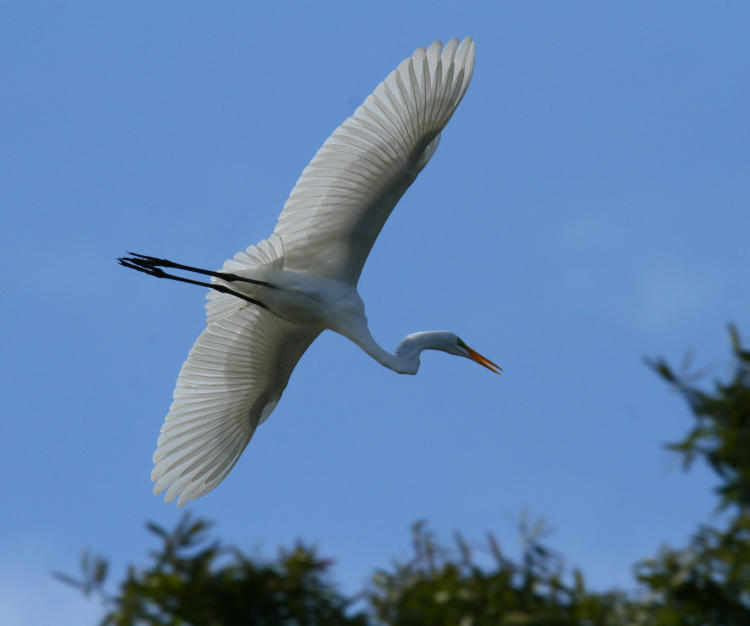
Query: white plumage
x,y
343,198
277,296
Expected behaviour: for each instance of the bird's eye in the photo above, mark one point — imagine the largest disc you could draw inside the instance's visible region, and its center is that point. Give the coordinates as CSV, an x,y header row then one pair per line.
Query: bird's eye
x,y
460,343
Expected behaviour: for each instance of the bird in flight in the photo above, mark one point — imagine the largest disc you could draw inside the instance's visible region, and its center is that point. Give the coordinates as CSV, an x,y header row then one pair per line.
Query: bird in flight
x,y
269,303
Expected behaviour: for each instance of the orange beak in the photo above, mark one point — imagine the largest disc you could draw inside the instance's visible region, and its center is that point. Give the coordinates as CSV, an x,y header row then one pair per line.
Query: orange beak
x,y
483,360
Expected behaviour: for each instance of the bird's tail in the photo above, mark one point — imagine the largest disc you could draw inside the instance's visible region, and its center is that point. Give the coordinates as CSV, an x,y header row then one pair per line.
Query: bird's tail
x,y
266,254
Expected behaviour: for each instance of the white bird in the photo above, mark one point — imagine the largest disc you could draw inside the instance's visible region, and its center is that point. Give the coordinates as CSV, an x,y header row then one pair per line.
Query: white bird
x,y
270,302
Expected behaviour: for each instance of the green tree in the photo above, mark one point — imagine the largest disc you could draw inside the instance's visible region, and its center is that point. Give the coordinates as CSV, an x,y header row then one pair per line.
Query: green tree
x,y
447,586
721,433
708,582
194,581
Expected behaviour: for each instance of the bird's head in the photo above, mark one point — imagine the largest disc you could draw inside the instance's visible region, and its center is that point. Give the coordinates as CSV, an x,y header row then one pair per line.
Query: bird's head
x,y
461,349
453,344
407,354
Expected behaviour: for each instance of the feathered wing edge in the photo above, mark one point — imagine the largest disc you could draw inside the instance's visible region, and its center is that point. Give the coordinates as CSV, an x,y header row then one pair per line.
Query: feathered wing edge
x,y
230,383
346,193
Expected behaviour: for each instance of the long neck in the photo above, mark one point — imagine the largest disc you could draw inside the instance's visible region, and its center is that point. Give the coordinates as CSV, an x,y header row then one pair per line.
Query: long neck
x,y
406,358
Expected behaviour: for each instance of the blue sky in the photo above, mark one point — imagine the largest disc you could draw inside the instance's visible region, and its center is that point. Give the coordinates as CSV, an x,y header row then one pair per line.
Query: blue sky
x,y
588,207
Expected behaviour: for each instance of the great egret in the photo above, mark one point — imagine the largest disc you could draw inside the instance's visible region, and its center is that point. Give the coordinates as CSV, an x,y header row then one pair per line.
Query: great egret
x,y
268,303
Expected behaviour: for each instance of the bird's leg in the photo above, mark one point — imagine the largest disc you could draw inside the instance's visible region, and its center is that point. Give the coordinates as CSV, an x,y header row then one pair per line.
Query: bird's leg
x,y
151,266
146,261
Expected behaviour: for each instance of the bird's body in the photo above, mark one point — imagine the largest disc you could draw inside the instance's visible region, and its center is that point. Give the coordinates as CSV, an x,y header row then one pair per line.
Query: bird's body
x,y
268,303
305,298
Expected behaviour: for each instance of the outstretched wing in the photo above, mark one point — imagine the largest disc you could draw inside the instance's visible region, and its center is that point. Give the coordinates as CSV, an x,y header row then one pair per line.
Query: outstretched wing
x,y
346,193
231,381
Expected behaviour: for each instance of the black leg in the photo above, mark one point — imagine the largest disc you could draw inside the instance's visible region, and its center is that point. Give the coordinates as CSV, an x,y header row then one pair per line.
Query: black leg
x,y
146,261
150,266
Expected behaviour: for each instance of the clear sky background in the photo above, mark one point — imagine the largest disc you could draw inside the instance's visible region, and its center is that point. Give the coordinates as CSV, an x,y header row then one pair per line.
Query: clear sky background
x,y
589,206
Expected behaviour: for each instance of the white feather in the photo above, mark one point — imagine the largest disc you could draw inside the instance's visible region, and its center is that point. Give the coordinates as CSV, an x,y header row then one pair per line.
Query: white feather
x,y
343,198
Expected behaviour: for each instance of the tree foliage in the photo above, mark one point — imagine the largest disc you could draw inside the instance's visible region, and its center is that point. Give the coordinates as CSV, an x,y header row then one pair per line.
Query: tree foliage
x,y
193,580
448,586
721,433
708,582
